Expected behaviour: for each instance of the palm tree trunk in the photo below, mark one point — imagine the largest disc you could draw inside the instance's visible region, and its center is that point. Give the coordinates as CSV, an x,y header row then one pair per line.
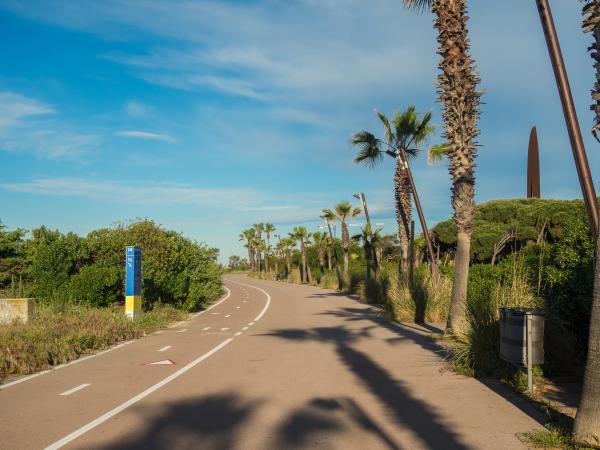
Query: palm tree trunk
x,y
267,255
303,255
329,266
321,260
376,267
346,244
458,94
587,421
367,249
403,213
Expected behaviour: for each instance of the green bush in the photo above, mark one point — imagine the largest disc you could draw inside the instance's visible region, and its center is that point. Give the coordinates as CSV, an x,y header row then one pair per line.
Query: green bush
x,y
95,285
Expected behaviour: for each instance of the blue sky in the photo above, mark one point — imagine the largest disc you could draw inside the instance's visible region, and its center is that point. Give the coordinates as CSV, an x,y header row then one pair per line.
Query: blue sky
x,y
210,116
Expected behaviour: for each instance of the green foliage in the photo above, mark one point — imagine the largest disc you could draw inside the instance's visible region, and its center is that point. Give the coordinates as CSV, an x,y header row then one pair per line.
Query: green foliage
x,y
526,217
63,268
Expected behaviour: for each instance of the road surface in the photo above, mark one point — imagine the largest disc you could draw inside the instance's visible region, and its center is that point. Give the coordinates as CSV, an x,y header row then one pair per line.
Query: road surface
x,y
272,366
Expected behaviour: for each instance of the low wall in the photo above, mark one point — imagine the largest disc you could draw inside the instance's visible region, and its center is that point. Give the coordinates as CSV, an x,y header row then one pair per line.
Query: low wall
x,y
16,309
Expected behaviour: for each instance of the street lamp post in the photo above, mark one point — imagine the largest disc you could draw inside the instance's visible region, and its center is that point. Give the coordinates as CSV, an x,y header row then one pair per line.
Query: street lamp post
x,y
566,98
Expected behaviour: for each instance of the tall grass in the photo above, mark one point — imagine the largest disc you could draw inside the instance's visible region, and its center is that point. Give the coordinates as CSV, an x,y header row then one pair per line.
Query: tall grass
x,y
59,334
419,301
475,351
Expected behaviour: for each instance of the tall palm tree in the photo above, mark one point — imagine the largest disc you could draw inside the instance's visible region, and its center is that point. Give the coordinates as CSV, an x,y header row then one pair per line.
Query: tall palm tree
x,y
285,246
249,236
259,228
320,243
402,142
460,98
269,228
587,421
365,236
342,212
302,236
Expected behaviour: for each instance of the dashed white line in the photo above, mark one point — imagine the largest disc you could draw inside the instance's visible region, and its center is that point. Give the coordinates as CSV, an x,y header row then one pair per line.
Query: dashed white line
x,y
214,304
158,332
113,412
239,333
205,328
75,389
264,310
228,315
237,307
182,331
250,324
245,328
243,301
165,348
224,329
215,313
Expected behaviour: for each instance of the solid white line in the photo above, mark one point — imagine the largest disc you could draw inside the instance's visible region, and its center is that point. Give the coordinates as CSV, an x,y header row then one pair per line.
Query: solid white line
x,y
239,333
61,366
264,310
224,329
113,412
205,328
165,348
214,304
182,331
75,389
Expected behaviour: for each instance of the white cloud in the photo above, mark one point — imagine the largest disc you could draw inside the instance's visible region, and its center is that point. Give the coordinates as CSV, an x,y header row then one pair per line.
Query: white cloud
x,y
137,109
14,108
145,135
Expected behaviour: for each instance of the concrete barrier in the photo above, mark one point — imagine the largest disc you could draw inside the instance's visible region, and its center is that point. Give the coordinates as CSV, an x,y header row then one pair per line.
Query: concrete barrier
x,y
16,309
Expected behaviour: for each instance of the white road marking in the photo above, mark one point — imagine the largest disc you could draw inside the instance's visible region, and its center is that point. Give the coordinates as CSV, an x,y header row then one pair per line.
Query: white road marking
x,y
167,347
245,328
158,332
214,304
264,310
215,313
205,328
250,324
224,329
243,301
113,412
75,389
239,333
228,315
237,307
182,331
61,366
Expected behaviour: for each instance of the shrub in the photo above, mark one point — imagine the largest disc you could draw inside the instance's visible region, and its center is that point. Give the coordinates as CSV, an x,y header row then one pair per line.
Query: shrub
x,y
95,285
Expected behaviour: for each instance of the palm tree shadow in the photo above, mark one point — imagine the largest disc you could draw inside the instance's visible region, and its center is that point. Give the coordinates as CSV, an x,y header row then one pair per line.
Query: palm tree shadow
x,y
391,393
202,422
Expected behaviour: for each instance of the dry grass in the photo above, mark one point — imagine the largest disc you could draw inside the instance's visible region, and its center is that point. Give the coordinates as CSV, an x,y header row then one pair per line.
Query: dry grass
x,y
57,335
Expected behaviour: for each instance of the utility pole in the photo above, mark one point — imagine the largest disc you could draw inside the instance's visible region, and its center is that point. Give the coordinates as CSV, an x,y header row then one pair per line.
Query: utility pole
x,y
566,98
533,166
435,270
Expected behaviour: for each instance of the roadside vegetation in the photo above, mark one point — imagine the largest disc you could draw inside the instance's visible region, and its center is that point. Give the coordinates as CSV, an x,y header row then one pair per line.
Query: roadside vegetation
x,y
79,282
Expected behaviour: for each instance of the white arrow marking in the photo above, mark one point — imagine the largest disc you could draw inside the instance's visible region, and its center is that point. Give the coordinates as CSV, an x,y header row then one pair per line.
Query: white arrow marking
x,y
164,362
75,389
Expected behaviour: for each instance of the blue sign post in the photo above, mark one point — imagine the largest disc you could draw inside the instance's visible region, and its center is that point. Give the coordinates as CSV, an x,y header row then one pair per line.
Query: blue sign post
x,y
133,282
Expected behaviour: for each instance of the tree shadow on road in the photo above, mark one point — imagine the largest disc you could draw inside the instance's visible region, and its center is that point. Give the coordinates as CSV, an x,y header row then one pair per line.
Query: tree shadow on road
x,y
203,422
406,410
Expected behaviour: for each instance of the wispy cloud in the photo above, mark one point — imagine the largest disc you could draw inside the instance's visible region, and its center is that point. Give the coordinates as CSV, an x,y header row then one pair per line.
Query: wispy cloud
x,y
14,108
137,109
165,194
145,135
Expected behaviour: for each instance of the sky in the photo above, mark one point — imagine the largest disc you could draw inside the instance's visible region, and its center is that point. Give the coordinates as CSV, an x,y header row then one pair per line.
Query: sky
x,y
210,116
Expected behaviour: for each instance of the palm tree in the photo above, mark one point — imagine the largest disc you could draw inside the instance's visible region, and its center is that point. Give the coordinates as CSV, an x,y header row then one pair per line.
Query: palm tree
x,y
285,246
366,236
302,236
259,228
460,100
320,243
249,236
402,143
587,421
342,212
269,228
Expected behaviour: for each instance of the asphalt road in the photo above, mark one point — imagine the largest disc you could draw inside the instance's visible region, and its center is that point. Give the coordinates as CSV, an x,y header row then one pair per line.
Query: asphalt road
x,y
272,366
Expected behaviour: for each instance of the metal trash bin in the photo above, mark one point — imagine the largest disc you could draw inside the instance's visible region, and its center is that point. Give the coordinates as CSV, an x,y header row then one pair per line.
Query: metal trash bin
x,y
513,335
